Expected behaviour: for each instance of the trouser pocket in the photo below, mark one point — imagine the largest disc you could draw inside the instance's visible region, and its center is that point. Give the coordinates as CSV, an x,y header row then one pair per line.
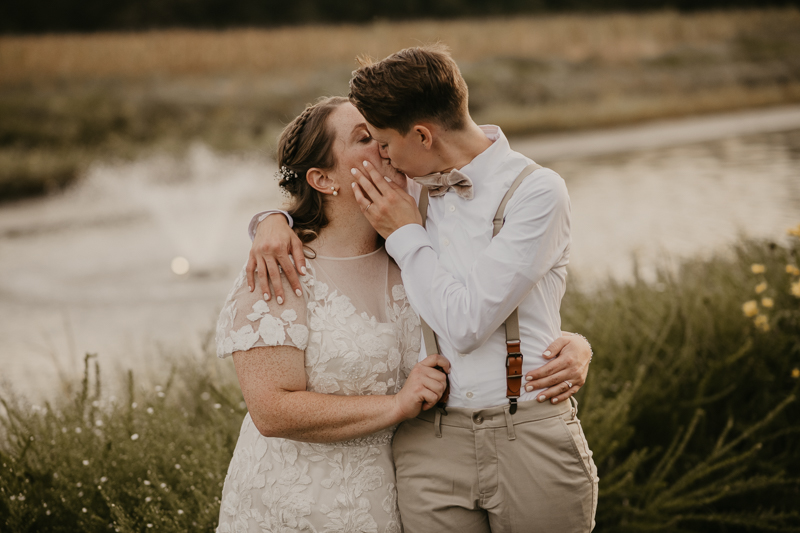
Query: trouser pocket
x,y
583,453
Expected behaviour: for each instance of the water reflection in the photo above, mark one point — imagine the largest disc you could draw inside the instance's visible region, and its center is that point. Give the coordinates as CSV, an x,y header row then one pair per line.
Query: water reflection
x,y
660,205
143,254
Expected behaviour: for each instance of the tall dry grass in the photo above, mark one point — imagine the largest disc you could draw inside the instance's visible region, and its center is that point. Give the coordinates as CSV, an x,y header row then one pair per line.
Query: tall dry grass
x,y
610,38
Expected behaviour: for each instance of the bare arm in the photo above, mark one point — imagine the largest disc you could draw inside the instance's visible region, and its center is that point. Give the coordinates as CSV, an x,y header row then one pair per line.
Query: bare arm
x,y
273,383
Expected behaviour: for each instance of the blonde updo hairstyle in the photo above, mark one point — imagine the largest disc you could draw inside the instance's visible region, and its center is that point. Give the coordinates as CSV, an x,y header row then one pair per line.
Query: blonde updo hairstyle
x,y
307,142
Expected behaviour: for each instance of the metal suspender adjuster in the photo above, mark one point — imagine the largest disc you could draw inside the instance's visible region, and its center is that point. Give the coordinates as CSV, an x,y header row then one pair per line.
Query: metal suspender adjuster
x,y
513,374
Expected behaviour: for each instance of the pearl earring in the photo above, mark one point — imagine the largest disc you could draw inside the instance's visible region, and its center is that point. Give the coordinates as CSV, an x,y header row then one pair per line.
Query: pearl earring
x,y
335,192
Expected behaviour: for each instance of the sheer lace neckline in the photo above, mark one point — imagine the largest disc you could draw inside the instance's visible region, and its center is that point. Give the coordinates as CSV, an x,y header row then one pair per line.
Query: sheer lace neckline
x,y
331,258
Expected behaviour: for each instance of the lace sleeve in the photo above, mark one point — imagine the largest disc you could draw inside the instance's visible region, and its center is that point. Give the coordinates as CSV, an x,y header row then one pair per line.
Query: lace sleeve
x,y
247,321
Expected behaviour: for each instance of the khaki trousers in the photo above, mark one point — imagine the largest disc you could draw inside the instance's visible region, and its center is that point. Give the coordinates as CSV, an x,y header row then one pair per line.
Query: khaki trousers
x,y
479,471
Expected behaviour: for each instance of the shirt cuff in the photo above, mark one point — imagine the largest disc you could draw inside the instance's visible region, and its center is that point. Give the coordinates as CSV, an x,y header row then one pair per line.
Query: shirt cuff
x,y
405,240
258,217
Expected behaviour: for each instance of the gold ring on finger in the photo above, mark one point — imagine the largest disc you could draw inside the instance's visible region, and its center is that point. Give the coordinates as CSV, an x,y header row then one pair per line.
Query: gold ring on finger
x,y
367,209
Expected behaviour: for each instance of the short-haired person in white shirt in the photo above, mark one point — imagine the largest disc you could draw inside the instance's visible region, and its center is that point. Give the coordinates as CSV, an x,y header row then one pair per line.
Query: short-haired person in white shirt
x,y
484,463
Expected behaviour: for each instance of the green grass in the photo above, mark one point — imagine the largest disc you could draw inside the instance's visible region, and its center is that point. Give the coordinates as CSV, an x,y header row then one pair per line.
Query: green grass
x,y
690,408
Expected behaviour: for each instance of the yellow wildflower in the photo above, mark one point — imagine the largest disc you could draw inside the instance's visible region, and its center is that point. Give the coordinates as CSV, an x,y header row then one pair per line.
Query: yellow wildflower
x,y
794,231
757,268
761,287
750,308
796,373
795,290
793,270
762,322
767,302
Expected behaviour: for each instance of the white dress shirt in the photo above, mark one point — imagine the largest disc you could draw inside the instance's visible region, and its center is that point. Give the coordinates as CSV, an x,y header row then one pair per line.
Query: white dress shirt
x,y
465,284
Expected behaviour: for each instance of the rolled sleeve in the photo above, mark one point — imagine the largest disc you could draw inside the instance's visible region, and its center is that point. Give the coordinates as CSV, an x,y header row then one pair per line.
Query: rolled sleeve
x,y
258,217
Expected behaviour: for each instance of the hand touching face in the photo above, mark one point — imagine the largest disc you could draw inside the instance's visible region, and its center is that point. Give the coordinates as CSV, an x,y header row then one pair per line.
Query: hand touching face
x,y
354,144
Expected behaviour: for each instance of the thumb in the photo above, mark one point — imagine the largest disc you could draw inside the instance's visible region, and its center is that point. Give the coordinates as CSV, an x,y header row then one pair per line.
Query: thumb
x,y
555,347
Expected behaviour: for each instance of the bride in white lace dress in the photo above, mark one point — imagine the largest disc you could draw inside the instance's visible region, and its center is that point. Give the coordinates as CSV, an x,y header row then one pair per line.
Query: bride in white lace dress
x,y
328,374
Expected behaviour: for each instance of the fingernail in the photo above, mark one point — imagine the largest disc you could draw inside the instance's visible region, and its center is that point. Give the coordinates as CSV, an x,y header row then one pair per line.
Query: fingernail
x,y
546,353
364,163
298,292
280,300
528,378
542,398
529,388
387,179
303,270
353,171
249,288
266,296
555,400
353,185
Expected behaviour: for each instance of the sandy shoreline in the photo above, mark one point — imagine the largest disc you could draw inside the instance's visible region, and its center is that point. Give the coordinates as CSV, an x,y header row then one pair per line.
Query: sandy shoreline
x,y
658,134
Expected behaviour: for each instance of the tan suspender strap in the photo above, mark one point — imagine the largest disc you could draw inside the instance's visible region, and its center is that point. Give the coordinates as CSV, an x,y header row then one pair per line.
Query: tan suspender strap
x,y
428,335
514,355
431,342
513,351
498,217
423,205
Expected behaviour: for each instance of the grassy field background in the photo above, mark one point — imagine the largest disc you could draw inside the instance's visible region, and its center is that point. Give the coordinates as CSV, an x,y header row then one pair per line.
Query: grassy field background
x,y
690,409
69,100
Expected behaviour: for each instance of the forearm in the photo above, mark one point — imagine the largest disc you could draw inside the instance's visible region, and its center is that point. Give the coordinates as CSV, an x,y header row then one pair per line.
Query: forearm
x,y
467,310
314,417
260,217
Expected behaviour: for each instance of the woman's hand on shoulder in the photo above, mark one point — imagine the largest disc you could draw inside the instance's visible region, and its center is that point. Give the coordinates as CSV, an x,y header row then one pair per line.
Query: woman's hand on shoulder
x,y
274,245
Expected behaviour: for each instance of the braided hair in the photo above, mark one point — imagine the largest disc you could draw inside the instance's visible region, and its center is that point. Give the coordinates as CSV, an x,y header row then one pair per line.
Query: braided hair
x,y
304,144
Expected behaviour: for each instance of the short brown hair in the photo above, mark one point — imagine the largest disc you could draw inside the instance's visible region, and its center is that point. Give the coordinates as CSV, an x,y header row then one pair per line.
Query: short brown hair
x,y
415,84
307,142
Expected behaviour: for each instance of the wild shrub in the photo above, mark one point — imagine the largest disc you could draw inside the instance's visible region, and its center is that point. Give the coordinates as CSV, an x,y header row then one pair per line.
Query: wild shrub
x,y
690,409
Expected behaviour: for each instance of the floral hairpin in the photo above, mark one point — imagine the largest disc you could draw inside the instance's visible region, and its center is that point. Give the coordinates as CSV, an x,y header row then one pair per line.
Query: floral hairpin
x,y
286,173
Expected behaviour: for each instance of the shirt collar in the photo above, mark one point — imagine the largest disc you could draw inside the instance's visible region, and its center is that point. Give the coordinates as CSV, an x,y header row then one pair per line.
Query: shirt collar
x,y
485,163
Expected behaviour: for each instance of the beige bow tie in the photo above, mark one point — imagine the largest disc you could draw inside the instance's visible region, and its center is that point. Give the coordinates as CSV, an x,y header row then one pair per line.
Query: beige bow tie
x,y
439,183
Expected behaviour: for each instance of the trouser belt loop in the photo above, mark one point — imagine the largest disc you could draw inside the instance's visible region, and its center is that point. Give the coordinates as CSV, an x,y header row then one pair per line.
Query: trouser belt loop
x,y
509,422
574,406
437,423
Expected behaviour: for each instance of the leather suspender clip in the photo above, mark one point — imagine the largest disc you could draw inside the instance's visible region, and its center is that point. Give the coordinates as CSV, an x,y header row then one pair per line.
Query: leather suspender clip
x,y
513,374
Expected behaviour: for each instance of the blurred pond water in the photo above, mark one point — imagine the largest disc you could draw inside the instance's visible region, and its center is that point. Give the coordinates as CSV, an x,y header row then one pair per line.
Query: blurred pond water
x,y
92,270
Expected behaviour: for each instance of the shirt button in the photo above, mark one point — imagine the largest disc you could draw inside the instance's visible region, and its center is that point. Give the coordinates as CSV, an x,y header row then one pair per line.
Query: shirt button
x,y
462,354
452,208
469,395
446,242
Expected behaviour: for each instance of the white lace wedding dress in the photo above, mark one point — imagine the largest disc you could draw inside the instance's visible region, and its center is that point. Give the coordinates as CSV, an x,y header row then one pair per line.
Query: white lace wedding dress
x,y
360,336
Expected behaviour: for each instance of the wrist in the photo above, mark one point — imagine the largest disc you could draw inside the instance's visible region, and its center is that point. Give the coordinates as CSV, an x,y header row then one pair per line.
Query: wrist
x,y
591,352
397,413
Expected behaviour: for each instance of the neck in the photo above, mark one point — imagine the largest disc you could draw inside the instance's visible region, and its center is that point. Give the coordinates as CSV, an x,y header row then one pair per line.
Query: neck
x,y
458,148
348,234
